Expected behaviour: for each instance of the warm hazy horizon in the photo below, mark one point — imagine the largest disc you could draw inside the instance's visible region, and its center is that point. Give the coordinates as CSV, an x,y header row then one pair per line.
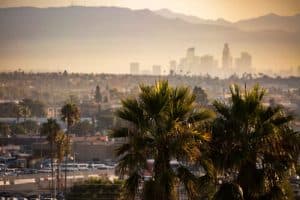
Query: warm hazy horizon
x,y
94,37
210,9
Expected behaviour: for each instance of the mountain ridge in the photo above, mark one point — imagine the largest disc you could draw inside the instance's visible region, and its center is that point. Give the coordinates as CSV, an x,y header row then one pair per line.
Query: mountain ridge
x,y
265,22
95,36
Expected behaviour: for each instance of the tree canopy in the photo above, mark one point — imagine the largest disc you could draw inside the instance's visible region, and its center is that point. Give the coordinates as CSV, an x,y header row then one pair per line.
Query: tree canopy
x,y
254,144
163,124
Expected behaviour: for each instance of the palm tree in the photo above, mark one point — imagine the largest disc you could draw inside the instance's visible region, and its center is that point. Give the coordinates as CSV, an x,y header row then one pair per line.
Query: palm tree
x,y
51,129
71,115
253,144
62,146
163,124
24,111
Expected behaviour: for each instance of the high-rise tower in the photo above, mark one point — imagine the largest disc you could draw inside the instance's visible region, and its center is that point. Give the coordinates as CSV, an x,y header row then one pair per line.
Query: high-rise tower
x,y
226,58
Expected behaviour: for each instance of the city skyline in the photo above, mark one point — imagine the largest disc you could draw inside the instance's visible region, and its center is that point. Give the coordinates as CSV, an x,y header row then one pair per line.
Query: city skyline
x,y
107,39
194,63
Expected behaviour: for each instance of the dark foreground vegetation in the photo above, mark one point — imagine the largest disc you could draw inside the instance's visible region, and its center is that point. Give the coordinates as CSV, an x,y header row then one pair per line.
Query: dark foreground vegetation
x,y
247,150
96,189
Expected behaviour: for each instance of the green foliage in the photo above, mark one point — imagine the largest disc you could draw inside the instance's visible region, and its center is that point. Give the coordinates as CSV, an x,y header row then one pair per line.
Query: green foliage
x,y
9,109
201,96
62,145
70,114
24,128
229,191
96,189
18,129
50,129
5,129
37,108
31,127
83,128
254,141
26,108
23,111
59,143
163,124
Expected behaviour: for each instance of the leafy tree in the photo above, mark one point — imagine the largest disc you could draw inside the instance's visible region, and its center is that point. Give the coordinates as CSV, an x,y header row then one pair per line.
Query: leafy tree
x,y
254,144
96,189
4,129
36,107
9,109
201,96
163,124
25,128
83,128
18,129
30,126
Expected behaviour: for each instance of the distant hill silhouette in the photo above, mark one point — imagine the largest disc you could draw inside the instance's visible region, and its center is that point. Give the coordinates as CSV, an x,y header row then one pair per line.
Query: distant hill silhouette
x,y
91,22
190,18
263,23
39,38
271,22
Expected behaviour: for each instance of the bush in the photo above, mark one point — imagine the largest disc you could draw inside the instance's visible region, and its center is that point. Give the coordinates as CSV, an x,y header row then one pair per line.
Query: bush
x,y
100,189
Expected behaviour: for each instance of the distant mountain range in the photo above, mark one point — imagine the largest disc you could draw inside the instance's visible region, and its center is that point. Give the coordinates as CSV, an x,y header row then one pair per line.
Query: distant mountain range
x,y
106,39
263,23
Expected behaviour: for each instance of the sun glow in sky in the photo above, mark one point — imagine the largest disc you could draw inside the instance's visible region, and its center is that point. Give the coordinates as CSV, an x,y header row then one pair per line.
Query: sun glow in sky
x,y
212,9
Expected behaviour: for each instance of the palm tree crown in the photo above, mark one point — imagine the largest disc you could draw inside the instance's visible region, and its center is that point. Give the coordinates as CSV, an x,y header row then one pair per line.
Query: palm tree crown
x,y
70,114
50,129
252,143
163,124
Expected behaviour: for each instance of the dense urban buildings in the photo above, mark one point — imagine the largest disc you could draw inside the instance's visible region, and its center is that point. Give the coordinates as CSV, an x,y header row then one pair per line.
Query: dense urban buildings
x,y
193,64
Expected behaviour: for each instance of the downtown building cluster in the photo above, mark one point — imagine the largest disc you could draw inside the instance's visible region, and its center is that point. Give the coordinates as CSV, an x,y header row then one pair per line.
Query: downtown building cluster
x,y
192,64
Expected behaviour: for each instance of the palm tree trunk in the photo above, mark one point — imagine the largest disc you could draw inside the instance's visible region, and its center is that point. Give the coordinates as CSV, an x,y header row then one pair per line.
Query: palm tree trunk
x,y
163,177
58,177
66,159
52,170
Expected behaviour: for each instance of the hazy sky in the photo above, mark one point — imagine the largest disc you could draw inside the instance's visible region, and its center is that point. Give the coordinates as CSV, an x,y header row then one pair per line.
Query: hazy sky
x,y
228,9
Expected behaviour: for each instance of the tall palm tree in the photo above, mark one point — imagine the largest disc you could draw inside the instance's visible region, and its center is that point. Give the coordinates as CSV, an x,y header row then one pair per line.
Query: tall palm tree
x,y
163,124
253,144
62,146
51,129
71,115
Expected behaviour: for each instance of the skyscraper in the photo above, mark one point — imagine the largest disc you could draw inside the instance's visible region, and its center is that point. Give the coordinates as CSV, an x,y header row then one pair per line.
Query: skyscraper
x,y
226,58
190,54
190,63
134,68
244,63
208,64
